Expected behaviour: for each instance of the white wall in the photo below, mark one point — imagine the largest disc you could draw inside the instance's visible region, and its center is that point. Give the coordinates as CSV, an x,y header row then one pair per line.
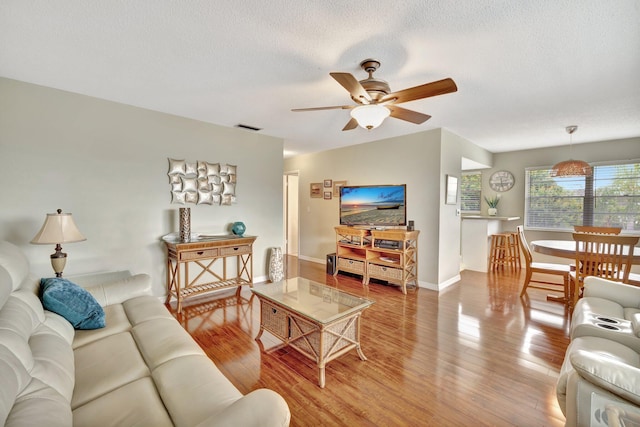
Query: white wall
x,y
420,161
107,164
453,148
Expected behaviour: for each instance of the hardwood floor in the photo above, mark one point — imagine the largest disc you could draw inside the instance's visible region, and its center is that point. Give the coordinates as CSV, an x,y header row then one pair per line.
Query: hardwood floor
x,y
474,354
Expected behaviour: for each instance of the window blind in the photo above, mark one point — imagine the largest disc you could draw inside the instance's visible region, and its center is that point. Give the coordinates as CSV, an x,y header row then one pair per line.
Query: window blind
x,y
609,198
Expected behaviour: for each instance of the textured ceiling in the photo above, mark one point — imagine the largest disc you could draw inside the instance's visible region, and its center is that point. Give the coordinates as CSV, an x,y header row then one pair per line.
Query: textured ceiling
x,y
524,70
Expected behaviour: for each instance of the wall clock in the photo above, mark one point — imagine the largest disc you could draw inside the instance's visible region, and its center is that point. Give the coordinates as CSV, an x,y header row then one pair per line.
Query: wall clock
x,y
501,181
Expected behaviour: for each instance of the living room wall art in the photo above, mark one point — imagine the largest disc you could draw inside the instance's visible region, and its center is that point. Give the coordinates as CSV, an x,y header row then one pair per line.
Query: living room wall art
x,y
316,189
202,183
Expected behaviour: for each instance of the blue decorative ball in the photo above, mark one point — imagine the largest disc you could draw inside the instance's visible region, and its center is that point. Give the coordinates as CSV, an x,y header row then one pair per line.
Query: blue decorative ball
x,y
238,228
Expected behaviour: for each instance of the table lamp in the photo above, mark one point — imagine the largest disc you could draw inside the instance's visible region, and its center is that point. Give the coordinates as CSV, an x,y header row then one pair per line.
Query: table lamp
x,y
58,228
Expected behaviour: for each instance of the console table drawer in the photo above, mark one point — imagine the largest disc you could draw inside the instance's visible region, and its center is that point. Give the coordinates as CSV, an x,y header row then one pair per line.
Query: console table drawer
x,y
351,265
274,320
235,250
382,272
203,254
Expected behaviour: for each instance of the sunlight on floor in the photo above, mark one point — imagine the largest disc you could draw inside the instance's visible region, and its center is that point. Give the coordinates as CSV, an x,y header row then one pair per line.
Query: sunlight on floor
x,y
467,324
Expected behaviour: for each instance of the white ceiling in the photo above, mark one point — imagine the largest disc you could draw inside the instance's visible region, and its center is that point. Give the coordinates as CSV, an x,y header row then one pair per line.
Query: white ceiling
x,y
524,69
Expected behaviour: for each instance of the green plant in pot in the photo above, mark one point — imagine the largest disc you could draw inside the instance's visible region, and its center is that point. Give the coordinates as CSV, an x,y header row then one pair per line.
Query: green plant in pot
x,y
493,204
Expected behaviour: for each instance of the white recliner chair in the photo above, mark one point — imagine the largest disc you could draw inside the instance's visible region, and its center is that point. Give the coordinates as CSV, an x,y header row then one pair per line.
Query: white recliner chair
x,y
608,310
599,382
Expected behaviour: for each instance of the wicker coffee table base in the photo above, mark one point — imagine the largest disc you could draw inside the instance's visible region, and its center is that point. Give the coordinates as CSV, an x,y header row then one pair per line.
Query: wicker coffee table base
x,y
317,341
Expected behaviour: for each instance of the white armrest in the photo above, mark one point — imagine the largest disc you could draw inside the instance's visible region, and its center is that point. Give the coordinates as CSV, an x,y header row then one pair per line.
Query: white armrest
x,y
259,408
118,291
608,373
625,295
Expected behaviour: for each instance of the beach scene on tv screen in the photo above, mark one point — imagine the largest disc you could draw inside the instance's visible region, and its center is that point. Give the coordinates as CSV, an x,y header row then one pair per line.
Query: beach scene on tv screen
x,y
372,205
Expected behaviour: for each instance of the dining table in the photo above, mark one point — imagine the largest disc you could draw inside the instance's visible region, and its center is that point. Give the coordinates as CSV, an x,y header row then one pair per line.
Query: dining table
x,y
567,249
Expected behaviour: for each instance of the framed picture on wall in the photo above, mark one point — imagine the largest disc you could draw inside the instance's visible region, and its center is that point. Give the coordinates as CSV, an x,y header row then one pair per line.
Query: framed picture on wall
x,y
327,195
327,183
336,187
316,189
451,196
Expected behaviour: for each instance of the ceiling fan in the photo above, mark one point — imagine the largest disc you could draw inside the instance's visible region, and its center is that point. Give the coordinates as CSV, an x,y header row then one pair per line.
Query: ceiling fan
x,y
376,101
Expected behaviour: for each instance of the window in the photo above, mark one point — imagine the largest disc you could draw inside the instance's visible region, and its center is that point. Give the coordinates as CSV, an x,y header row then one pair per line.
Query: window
x,y
609,198
470,191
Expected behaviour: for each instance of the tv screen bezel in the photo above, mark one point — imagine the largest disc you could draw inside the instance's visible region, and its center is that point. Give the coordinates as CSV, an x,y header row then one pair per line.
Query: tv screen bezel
x,y
374,225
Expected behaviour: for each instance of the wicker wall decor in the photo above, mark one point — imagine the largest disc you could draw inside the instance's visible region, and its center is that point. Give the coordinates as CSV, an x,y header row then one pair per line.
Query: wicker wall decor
x,y
202,183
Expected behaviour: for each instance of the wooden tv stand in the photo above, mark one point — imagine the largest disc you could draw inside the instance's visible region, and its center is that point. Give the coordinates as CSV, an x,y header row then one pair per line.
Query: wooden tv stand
x,y
390,255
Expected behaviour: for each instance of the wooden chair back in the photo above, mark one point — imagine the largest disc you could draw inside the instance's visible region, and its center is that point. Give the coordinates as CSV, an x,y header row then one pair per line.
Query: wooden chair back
x,y
542,272
524,245
604,255
596,230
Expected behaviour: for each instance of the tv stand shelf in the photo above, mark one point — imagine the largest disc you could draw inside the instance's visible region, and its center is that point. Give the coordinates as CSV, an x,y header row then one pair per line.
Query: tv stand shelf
x,y
390,255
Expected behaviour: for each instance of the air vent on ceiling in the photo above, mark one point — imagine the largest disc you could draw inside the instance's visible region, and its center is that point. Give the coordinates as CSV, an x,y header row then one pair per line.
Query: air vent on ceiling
x,y
247,127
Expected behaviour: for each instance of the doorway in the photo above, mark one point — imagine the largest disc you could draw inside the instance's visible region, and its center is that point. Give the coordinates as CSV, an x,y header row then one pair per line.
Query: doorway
x,y
291,217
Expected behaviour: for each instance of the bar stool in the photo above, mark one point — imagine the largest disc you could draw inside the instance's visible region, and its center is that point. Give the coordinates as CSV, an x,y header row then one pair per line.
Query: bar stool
x,y
515,241
504,251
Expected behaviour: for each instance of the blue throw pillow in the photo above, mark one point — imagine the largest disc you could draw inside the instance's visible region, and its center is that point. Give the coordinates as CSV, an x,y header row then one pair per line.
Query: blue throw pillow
x,y
72,302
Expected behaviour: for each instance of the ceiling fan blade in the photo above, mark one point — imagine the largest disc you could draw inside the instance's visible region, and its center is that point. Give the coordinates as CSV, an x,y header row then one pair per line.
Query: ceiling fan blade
x,y
426,90
353,86
408,115
337,107
352,124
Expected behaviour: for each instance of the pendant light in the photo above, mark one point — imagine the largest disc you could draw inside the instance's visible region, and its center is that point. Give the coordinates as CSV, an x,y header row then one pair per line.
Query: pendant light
x,y
571,167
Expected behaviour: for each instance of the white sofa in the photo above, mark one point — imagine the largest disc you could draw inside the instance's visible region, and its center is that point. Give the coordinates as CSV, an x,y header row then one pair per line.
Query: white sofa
x,y
141,369
599,382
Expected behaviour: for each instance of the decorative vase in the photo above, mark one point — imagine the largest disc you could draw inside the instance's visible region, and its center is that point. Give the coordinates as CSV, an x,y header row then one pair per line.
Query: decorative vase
x,y
492,211
238,228
185,224
276,267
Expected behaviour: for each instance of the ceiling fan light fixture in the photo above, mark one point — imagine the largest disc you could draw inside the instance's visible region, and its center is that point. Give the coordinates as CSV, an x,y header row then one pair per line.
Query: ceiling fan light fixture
x,y
370,116
571,167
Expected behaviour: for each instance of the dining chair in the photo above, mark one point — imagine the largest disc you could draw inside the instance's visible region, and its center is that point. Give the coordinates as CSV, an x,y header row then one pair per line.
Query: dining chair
x,y
603,255
596,230
543,268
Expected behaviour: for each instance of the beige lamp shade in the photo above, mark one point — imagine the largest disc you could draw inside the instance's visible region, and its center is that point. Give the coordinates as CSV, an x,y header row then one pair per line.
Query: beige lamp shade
x,y
58,228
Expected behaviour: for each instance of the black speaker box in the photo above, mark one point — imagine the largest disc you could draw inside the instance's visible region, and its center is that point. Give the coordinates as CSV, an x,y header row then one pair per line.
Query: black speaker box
x,y
331,263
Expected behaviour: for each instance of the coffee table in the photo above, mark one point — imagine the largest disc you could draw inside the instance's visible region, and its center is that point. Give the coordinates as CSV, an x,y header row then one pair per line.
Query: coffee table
x,y
319,321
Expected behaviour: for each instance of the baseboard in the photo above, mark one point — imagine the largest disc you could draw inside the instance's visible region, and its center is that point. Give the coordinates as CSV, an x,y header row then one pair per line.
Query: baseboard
x,y
441,286
316,260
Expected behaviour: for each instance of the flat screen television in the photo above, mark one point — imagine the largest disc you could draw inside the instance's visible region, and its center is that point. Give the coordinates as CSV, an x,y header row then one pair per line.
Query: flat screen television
x,y
373,205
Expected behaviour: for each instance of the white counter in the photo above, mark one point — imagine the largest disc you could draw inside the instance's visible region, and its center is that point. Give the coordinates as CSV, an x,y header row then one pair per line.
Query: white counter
x,y
498,218
475,238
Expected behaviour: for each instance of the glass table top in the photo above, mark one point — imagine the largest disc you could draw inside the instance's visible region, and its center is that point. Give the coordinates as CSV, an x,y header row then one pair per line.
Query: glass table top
x,y
319,302
198,237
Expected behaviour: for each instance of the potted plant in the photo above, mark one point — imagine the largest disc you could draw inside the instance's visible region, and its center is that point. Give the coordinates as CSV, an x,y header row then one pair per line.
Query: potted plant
x,y
493,204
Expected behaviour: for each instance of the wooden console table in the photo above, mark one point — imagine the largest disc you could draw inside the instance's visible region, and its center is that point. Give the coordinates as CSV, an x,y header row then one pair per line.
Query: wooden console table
x,y
208,255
